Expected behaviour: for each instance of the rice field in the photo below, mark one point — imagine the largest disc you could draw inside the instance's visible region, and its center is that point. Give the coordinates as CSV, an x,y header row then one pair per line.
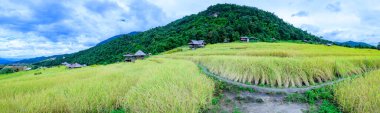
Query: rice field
x,y
282,64
360,95
152,85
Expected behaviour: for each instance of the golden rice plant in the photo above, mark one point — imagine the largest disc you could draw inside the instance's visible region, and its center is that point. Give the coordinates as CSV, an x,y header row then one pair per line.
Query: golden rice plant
x,y
360,95
282,64
152,85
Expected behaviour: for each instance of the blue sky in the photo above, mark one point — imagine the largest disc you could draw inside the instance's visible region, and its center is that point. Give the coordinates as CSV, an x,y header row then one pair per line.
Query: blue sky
x,y
31,28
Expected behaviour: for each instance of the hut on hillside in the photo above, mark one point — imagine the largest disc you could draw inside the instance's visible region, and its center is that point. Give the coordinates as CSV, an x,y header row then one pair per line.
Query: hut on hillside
x,y
140,54
329,44
65,63
194,44
75,65
244,39
129,57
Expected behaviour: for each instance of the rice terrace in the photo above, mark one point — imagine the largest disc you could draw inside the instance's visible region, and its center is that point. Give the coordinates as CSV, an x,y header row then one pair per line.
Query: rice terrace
x,y
227,58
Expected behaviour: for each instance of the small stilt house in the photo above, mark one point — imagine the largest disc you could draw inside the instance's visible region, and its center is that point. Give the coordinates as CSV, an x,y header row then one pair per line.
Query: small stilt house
x,y
132,57
75,65
244,39
129,58
140,54
194,44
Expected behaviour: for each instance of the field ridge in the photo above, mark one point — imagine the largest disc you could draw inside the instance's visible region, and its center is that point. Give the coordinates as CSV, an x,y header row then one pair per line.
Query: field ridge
x,y
269,89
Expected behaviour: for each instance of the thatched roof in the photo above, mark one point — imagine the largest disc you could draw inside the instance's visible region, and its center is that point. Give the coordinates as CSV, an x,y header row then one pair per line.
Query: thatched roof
x,y
197,42
140,53
76,65
129,55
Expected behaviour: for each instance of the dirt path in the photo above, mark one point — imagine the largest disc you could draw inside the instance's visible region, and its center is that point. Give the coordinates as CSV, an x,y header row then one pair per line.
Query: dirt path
x,y
248,102
267,89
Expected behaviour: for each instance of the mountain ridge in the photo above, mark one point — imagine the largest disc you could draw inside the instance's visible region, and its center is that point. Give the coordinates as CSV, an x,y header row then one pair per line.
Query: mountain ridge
x,y
214,25
355,44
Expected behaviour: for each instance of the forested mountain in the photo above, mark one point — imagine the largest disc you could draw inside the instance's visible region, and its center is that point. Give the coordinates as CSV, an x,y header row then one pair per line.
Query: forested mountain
x,y
38,59
355,44
44,58
216,24
117,36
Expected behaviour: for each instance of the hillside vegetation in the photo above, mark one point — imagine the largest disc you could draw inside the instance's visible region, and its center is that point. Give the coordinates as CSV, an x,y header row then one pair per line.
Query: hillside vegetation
x,y
219,23
282,64
153,85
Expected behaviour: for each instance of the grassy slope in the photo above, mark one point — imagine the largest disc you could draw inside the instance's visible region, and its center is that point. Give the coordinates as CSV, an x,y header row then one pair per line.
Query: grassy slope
x,y
282,64
174,85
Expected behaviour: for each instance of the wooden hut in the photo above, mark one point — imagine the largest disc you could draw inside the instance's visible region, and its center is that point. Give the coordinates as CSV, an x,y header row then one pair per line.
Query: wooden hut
x,y
139,55
65,63
129,58
244,39
328,44
75,65
194,44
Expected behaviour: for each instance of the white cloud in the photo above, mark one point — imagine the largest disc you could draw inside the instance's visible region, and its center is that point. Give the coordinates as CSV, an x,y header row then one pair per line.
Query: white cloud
x,y
31,28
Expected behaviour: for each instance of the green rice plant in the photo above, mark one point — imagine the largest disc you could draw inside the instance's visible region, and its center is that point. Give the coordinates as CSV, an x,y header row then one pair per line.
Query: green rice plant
x,y
152,85
360,95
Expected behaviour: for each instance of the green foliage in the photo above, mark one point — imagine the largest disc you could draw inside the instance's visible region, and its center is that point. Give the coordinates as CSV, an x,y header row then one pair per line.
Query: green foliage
x,y
325,93
321,100
7,70
232,21
328,107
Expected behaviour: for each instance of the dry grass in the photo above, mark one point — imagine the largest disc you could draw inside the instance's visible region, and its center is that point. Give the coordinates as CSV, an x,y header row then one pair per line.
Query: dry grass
x,y
360,95
144,86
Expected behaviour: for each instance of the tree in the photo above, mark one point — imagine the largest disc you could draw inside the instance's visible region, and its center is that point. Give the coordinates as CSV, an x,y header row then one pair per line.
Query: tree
x,y
378,46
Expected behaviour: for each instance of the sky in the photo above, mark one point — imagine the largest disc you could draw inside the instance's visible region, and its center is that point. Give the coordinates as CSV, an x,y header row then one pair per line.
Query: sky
x,y
32,28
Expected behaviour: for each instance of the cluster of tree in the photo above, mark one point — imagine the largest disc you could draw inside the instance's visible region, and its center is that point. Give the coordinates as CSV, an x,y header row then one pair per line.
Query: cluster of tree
x,y
216,24
7,70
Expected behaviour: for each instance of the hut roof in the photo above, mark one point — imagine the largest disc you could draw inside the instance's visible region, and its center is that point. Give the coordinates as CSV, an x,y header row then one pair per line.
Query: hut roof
x,y
197,42
128,55
74,65
140,53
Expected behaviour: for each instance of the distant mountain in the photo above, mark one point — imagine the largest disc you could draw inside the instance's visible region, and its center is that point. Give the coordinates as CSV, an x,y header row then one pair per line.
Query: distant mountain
x,y
5,61
216,24
355,44
38,59
49,58
118,36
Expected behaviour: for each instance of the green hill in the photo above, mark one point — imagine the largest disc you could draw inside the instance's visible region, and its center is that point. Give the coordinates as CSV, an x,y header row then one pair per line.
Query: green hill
x,y
216,24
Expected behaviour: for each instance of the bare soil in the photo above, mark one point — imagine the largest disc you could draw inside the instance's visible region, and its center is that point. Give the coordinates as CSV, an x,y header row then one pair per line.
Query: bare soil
x,y
247,102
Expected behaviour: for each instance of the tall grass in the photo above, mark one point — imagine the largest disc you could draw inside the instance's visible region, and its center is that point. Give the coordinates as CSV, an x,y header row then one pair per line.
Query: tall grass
x,y
282,64
287,72
274,49
360,95
153,85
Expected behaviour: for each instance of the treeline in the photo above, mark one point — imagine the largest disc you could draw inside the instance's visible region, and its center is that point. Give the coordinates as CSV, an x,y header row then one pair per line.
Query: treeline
x,y
219,23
